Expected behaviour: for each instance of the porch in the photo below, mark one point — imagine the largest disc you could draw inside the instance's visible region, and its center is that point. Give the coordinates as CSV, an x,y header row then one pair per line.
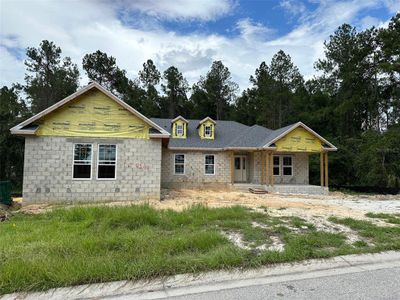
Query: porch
x,y
278,172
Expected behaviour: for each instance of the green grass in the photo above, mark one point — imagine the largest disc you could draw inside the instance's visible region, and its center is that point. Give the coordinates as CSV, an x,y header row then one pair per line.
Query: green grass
x,y
384,238
389,218
96,244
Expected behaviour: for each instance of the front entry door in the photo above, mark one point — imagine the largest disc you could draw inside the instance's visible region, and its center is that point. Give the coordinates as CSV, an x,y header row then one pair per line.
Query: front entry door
x,y
240,168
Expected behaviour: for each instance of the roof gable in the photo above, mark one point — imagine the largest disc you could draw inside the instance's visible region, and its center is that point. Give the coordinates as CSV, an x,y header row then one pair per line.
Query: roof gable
x,y
20,128
298,137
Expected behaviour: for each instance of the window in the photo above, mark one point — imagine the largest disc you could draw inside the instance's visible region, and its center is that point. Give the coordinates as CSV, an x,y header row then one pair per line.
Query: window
x,y
179,164
82,165
277,169
237,163
209,165
208,131
287,166
179,130
106,163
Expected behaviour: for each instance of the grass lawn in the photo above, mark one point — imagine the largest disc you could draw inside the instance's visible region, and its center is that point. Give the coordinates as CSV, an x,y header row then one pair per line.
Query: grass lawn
x,y
97,244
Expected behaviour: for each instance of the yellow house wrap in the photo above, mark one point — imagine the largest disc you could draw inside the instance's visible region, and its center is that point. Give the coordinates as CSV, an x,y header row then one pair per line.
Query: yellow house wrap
x,y
93,114
299,140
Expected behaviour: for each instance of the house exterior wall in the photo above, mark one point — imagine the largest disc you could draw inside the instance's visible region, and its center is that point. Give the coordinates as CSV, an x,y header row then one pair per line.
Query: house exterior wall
x,y
48,165
300,169
195,170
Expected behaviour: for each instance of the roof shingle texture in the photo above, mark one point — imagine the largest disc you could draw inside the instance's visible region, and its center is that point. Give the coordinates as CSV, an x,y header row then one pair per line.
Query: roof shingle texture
x,y
227,134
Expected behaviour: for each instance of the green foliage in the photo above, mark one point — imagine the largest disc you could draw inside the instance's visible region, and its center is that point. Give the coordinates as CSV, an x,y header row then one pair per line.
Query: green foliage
x,y
12,111
175,87
215,92
50,78
150,77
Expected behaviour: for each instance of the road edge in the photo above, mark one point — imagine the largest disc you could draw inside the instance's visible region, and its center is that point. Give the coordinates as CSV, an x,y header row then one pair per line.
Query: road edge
x,y
216,280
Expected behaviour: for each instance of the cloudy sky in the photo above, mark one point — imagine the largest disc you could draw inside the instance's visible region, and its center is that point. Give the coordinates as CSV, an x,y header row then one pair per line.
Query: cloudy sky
x,y
183,33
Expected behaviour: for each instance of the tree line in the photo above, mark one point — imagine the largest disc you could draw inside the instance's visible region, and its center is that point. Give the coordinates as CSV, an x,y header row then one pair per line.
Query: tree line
x,y
353,100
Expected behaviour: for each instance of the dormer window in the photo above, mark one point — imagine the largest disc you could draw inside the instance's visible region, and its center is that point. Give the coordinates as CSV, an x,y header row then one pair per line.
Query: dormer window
x,y
180,129
208,131
206,128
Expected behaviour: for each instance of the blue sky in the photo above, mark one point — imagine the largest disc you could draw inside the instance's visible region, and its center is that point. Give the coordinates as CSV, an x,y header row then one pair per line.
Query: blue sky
x,y
187,34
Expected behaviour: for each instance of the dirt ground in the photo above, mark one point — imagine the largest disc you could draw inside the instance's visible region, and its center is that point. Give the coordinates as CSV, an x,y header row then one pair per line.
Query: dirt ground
x,y
334,204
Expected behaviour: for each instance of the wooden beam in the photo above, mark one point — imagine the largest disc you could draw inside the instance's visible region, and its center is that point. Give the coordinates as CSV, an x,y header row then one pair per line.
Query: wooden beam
x,y
266,167
232,167
261,166
326,169
272,168
321,167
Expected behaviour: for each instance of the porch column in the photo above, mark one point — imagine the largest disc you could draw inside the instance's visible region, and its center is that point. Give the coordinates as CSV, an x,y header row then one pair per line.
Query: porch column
x,y
321,167
232,167
326,169
262,157
267,168
271,163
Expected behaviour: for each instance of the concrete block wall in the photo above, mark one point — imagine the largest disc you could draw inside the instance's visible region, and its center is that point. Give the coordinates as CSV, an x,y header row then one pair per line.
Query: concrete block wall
x,y
300,169
48,171
194,169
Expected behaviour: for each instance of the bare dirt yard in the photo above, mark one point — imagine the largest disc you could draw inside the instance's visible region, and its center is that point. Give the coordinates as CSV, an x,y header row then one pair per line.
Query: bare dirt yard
x,y
304,206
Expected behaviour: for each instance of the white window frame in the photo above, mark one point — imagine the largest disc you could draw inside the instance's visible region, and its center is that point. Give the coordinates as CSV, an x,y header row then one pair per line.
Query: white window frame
x,y
73,161
180,127
205,130
284,166
278,165
206,164
184,164
98,161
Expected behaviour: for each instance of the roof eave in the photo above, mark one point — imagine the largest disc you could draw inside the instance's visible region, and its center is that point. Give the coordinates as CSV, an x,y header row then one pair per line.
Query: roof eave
x,y
159,135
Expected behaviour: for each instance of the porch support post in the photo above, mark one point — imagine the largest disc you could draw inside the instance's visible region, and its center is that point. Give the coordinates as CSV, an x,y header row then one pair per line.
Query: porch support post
x,y
262,157
267,168
321,167
326,169
271,163
232,167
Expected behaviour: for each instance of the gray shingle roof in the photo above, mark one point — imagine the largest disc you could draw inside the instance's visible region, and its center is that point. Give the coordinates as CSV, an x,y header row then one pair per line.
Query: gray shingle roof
x,y
228,134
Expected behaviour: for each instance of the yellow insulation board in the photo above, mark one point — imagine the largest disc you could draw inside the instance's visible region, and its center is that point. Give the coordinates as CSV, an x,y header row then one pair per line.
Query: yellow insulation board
x,y
299,140
93,114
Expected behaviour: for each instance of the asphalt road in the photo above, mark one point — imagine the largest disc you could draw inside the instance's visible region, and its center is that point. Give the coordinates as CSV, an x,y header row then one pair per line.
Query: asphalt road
x,y
376,284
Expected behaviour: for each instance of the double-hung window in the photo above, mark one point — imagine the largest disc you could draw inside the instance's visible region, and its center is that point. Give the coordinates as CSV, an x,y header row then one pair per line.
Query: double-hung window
x,y
287,165
82,164
284,164
179,164
208,131
107,162
179,130
209,165
277,167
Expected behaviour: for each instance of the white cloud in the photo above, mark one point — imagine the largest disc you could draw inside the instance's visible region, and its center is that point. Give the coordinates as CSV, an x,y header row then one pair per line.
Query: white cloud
x,y
205,10
250,30
293,7
81,27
